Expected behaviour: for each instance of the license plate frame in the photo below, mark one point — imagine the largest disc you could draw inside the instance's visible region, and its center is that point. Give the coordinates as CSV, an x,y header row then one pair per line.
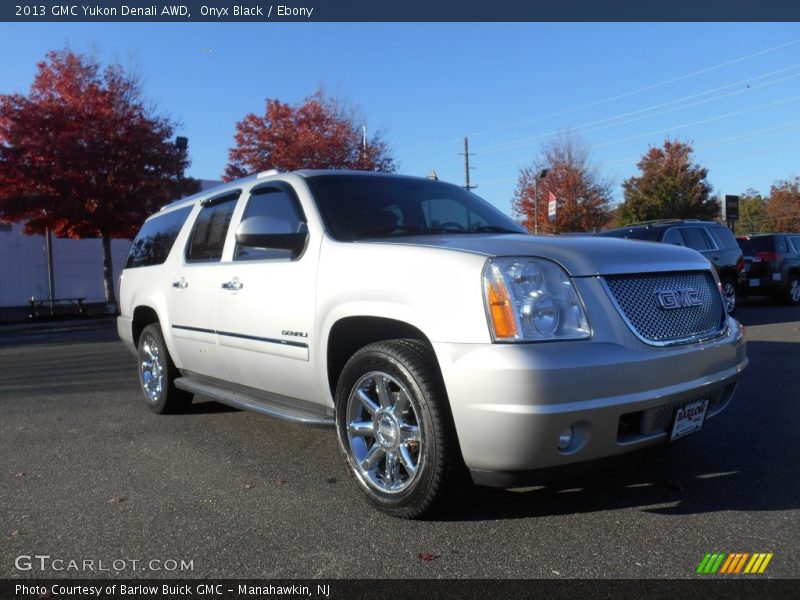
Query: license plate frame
x,y
689,419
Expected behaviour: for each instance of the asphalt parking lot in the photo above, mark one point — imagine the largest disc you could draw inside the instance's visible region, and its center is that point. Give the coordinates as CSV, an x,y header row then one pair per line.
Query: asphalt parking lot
x,y
88,472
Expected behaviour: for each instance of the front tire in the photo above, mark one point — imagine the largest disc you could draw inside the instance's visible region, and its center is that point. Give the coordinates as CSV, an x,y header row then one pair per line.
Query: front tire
x,y
793,291
157,374
395,430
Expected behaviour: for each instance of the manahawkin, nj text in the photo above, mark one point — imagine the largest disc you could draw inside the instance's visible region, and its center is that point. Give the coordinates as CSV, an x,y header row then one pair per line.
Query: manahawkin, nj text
x,y
239,12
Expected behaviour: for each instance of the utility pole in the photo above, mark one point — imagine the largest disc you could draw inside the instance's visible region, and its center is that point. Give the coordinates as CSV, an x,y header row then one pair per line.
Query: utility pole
x,y
466,155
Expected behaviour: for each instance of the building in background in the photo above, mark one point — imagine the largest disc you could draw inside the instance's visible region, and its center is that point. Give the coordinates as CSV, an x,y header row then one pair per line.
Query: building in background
x,y
77,265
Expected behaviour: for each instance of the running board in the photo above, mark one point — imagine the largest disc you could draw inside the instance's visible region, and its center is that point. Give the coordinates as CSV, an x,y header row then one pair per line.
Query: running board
x,y
271,405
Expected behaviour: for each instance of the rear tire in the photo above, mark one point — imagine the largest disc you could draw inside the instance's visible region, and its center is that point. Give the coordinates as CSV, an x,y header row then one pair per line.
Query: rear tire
x,y
157,374
793,291
395,429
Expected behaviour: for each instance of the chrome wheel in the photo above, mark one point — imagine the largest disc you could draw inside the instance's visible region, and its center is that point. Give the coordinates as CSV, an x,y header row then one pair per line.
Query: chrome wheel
x,y
729,295
383,433
152,370
794,291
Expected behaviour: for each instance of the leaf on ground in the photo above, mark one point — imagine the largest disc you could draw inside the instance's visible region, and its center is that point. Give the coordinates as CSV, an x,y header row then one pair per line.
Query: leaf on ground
x,y
428,556
249,486
116,499
331,480
20,474
280,482
15,533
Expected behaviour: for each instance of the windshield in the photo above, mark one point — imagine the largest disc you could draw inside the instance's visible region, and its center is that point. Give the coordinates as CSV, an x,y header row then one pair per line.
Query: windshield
x,y
365,206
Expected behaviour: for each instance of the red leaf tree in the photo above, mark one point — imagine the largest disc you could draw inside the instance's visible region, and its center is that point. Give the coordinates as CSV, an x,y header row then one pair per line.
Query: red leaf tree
x,y
582,195
783,207
318,133
83,155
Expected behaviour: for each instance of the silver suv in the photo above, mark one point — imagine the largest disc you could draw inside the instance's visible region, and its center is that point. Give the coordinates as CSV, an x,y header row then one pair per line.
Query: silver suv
x,y
441,340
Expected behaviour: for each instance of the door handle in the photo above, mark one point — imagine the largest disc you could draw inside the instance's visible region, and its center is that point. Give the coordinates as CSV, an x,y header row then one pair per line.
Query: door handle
x,y
181,284
234,284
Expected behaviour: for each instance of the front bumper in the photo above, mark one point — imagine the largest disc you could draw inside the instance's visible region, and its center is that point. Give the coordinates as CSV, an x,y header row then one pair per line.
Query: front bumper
x,y
510,402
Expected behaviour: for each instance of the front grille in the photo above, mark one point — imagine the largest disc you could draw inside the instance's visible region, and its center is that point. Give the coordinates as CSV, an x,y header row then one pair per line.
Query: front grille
x,y
637,298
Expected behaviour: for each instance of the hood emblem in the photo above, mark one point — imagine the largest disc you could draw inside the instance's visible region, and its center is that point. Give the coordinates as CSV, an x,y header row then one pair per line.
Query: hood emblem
x,y
680,298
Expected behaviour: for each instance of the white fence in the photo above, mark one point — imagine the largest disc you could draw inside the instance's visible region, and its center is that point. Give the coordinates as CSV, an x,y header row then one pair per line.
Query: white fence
x,y
77,266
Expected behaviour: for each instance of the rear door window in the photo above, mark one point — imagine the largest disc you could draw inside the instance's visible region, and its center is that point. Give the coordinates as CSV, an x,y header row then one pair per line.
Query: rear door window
x,y
696,239
673,236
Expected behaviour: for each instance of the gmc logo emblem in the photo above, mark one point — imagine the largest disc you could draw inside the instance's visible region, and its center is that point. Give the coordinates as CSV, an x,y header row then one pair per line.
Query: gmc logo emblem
x,y
682,298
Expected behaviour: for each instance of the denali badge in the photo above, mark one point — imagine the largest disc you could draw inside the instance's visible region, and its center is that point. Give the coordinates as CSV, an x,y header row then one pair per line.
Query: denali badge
x,y
682,298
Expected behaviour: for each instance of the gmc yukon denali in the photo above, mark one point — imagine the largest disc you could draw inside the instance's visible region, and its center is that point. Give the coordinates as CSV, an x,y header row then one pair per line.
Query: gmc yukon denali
x,y
440,340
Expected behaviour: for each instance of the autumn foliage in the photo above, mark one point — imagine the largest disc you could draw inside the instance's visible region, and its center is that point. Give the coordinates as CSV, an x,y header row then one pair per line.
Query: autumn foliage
x,y
582,195
318,133
84,156
670,186
783,207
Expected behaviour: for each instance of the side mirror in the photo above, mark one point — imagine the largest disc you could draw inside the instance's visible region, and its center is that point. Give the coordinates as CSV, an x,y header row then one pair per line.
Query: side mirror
x,y
269,233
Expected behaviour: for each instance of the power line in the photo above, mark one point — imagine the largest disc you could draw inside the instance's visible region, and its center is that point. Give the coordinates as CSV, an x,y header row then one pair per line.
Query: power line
x,y
640,90
592,126
747,136
630,93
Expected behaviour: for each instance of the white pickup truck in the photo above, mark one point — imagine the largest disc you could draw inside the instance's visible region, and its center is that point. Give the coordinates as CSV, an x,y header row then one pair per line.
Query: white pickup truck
x,y
440,339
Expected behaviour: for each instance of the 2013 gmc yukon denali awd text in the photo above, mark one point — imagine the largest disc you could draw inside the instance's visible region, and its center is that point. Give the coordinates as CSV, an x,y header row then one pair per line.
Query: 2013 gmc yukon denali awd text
x,y
438,337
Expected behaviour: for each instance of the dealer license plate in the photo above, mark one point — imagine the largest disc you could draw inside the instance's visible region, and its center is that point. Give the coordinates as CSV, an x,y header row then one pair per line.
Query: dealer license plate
x,y
755,282
689,419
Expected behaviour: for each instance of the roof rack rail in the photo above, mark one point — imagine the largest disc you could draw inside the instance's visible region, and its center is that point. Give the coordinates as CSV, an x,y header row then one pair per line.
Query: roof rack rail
x,y
660,221
268,173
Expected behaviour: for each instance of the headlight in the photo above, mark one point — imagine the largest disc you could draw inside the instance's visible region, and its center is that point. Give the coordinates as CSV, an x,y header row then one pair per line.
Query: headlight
x,y
532,299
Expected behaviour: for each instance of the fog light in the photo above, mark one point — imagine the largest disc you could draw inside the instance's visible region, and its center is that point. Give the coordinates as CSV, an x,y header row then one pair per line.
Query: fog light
x,y
565,439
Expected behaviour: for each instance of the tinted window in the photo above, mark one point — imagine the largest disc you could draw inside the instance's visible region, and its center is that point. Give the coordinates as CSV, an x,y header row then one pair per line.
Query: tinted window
x,y
276,204
696,238
780,245
762,243
747,247
723,236
155,239
374,206
795,242
210,229
673,236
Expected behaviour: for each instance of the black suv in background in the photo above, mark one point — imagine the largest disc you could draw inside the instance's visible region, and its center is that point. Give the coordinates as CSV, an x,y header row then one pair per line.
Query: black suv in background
x,y
711,239
772,265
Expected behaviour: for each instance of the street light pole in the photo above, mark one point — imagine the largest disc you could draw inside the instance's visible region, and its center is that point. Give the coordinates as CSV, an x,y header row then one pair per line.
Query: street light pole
x,y
541,175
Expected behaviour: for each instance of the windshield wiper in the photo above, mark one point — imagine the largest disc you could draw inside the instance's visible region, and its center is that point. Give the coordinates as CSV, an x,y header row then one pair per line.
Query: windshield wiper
x,y
398,230
490,229
391,230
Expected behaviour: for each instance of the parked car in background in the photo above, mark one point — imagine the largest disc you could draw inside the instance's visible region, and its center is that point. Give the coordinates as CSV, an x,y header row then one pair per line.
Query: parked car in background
x,y
772,265
711,239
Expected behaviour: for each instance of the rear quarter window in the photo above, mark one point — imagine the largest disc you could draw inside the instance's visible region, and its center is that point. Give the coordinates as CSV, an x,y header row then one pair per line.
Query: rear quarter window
x,y
156,238
723,236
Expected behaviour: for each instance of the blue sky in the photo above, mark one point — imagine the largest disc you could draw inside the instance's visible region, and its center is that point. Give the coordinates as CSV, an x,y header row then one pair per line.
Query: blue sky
x,y
622,87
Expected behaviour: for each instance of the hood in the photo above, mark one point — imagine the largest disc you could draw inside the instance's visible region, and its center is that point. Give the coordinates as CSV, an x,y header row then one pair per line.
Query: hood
x,y
581,256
